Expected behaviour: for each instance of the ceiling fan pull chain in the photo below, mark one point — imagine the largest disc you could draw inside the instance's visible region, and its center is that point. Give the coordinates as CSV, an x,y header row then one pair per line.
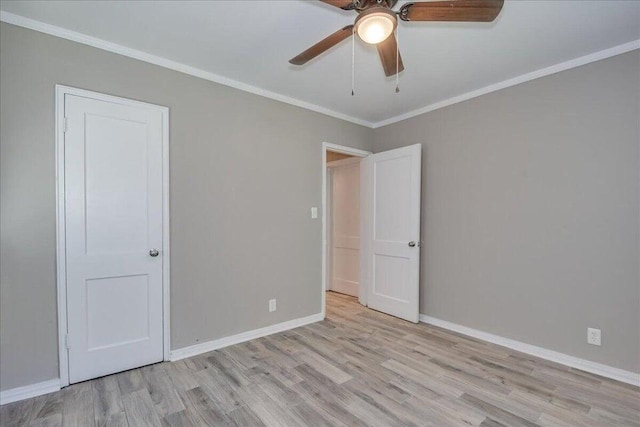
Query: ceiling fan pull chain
x,y
353,61
397,60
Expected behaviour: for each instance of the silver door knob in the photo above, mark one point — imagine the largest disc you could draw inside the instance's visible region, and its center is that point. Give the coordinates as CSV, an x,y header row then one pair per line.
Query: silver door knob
x,y
154,253
412,244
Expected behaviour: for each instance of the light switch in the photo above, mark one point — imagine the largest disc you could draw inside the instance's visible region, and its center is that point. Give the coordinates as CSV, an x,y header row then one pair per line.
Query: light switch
x,y
314,213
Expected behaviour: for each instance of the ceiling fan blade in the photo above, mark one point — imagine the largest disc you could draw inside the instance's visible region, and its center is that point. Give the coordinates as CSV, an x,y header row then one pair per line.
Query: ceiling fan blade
x,y
388,50
342,4
453,10
323,45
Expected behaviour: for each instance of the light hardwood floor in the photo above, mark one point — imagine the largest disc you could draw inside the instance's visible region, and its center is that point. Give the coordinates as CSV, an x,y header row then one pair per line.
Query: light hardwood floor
x,y
358,367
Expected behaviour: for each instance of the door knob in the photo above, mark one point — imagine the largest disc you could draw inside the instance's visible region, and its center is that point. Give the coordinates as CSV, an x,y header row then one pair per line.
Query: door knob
x,y
412,244
154,253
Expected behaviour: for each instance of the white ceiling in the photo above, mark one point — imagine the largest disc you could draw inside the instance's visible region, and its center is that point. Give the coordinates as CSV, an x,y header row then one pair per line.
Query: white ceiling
x,y
252,41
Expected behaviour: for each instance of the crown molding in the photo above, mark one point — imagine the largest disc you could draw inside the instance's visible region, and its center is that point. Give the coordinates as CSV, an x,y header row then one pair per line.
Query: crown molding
x,y
54,30
543,72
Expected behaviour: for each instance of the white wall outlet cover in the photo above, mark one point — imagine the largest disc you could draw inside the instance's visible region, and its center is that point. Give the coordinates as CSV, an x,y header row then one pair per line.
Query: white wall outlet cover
x,y
594,336
272,305
314,212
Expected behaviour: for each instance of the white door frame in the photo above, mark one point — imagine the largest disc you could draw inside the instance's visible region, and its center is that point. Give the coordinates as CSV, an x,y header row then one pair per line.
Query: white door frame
x,y
327,146
61,91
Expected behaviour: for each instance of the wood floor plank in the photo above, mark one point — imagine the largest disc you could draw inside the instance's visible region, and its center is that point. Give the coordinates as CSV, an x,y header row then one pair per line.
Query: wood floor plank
x,y
178,419
221,391
115,420
17,413
286,376
130,381
321,364
77,407
162,392
181,375
107,402
47,410
53,420
139,409
489,422
202,408
228,368
270,410
358,367
244,416
498,413
396,413
331,406
278,390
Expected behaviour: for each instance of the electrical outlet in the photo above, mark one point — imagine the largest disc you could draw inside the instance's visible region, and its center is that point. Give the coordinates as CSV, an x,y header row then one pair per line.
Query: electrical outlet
x,y
314,213
593,336
272,305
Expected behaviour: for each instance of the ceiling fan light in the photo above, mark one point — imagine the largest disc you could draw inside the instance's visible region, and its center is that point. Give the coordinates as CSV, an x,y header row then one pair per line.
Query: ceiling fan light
x,y
376,26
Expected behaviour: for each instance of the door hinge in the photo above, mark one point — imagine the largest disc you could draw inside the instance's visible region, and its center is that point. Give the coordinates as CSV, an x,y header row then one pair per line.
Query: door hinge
x,y
66,341
65,125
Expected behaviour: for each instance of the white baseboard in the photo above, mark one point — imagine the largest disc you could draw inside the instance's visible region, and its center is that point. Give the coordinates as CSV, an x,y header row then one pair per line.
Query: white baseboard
x,y
543,353
205,347
27,391
45,387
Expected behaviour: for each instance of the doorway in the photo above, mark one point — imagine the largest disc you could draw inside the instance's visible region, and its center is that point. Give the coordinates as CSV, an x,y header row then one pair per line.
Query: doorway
x,y
341,169
343,223
371,227
112,233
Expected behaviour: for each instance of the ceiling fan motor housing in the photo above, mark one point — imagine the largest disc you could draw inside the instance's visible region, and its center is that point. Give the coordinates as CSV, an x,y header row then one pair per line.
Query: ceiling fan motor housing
x,y
361,5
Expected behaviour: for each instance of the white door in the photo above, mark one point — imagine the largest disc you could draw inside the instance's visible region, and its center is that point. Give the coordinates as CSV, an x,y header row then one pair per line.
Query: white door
x,y
345,226
392,243
113,212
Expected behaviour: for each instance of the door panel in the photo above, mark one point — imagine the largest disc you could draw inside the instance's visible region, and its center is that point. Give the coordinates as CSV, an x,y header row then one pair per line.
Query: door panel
x,y
106,330
113,210
392,180
345,222
116,203
392,280
393,231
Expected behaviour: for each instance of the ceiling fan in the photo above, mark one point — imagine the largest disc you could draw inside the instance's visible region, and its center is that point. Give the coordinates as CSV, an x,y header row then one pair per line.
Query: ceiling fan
x,y
376,22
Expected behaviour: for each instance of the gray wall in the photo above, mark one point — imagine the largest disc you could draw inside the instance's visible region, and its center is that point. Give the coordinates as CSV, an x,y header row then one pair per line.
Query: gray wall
x,y
530,213
244,172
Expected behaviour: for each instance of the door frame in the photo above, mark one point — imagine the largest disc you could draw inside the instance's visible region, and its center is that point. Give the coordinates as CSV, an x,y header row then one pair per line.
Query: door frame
x,y
61,281
327,146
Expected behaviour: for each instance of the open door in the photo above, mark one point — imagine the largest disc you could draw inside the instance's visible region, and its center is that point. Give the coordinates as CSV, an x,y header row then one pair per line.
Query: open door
x,y
391,231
